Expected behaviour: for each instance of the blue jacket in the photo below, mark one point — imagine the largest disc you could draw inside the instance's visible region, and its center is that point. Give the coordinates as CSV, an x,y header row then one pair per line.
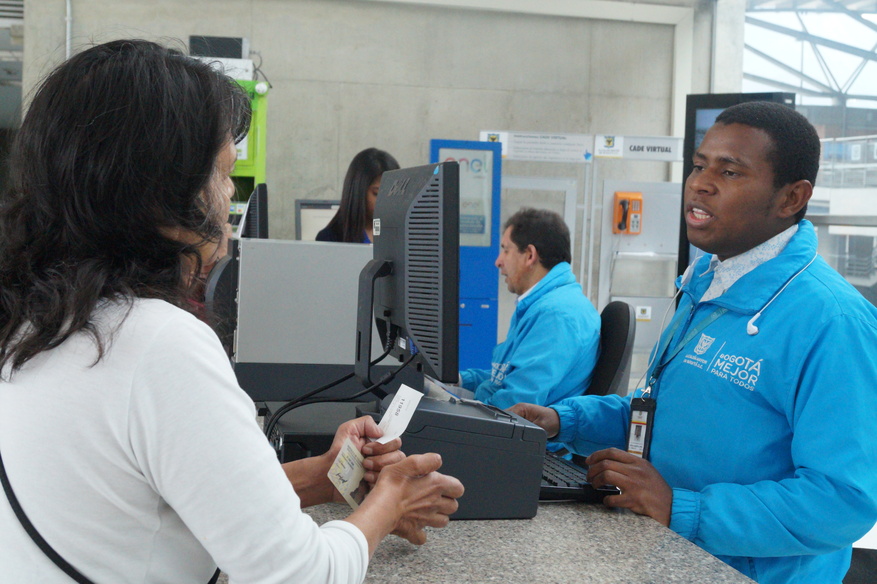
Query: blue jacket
x,y
551,348
769,441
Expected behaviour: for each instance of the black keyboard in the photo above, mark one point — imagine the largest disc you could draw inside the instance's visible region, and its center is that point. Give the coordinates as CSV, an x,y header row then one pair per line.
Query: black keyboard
x,y
565,480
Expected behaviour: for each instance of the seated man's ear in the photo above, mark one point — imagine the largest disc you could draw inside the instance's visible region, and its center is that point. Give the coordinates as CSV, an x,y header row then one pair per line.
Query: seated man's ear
x,y
795,197
532,255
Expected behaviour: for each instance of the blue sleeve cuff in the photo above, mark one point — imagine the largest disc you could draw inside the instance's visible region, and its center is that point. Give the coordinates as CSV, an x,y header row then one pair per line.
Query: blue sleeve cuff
x,y
568,425
466,380
685,513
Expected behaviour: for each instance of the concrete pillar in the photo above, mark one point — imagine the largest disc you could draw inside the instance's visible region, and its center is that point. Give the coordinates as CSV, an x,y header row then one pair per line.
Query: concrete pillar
x,y
727,67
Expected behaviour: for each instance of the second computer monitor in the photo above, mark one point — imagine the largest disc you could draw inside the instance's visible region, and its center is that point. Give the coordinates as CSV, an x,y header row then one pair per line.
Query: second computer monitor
x,y
415,271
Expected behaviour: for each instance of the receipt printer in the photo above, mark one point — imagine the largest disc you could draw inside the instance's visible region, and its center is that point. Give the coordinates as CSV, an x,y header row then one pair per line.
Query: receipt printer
x,y
496,455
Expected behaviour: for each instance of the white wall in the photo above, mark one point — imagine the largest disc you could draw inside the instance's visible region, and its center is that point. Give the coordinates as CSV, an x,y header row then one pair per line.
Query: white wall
x,y
347,75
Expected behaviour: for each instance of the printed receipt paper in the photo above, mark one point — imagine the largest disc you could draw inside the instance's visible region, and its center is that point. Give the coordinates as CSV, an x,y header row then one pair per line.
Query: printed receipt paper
x,y
347,471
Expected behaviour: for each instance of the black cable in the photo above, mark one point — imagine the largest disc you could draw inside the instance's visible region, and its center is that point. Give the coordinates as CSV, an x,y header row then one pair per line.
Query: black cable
x,y
291,404
257,69
301,401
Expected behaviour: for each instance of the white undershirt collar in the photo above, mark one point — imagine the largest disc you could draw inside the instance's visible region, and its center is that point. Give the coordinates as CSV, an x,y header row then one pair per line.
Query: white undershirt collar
x,y
732,269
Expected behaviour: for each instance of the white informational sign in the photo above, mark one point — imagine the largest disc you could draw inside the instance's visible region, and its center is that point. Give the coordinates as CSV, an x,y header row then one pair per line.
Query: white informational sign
x,y
542,147
652,148
476,193
608,146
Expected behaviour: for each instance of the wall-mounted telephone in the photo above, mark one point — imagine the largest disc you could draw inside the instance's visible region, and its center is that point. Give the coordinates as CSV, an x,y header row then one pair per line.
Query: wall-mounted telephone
x,y
627,217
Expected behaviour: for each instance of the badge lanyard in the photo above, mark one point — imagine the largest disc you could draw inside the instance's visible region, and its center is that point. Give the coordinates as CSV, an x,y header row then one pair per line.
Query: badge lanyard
x,y
642,409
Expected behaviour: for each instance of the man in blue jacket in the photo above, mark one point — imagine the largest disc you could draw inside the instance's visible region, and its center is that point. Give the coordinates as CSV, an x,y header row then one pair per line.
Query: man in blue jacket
x,y
554,336
763,447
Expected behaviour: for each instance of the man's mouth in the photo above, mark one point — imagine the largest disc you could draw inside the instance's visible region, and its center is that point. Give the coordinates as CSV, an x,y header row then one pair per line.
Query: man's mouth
x,y
697,216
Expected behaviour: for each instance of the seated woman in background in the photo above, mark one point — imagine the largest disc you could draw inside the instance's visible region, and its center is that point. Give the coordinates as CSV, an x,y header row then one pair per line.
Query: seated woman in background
x,y
119,194
353,221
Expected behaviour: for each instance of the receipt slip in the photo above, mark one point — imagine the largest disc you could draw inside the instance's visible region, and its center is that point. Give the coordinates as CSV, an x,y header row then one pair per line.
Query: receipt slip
x,y
396,418
347,472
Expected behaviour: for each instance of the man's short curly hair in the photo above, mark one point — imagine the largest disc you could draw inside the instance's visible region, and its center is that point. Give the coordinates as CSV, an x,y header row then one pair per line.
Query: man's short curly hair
x,y
545,230
796,146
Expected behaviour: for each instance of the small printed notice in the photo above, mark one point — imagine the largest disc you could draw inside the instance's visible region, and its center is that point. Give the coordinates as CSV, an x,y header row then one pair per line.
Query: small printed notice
x,y
606,146
397,416
346,474
542,147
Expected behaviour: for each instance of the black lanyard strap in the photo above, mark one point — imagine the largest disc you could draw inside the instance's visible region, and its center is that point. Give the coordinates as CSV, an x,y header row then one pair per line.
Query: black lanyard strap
x,y
34,534
42,543
662,357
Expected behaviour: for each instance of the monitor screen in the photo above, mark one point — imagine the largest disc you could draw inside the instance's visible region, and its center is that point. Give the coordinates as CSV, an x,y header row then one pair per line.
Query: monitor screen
x,y
411,286
254,223
701,112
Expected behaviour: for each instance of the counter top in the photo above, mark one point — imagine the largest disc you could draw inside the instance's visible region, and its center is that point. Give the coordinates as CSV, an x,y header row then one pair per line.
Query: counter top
x,y
565,542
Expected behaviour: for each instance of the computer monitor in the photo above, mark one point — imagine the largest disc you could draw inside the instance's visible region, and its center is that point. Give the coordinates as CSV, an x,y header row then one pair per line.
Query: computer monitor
x,y
254,223
701,112
411,285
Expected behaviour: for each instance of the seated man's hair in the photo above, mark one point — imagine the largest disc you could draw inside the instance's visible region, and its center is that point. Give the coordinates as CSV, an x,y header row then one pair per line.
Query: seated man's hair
x,y
545,230
796,146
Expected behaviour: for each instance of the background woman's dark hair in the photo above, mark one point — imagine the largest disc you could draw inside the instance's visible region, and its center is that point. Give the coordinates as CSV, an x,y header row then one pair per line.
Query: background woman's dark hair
x,y
349,222
115,156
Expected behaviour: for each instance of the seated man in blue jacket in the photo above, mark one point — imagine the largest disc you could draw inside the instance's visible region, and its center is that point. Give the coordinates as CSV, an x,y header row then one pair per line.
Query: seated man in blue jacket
x,y
554,336
763,448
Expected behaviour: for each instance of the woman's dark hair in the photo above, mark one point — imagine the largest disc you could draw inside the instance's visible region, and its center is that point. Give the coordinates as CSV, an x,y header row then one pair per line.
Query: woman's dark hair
x,y
114,157
349,222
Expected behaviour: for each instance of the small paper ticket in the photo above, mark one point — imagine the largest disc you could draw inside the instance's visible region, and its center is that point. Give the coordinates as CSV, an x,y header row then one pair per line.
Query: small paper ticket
x,y
397,416
347,471
346,474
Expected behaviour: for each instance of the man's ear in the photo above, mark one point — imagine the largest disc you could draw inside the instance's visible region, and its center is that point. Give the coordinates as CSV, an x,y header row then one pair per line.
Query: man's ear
x,y
532,255
797,194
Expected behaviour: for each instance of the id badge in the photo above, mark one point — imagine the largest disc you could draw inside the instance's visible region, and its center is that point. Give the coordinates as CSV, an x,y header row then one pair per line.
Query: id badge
x,y
642,419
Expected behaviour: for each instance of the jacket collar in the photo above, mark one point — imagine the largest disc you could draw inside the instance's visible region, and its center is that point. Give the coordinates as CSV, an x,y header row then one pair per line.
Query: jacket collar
x,y
753,290
559,275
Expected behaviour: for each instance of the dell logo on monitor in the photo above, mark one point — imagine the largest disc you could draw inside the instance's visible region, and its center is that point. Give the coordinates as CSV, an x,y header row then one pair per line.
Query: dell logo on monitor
x,y
398,187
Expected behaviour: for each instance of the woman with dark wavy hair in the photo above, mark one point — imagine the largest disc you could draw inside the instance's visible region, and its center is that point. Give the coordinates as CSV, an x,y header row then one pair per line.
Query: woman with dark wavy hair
x,y
352,222
125,439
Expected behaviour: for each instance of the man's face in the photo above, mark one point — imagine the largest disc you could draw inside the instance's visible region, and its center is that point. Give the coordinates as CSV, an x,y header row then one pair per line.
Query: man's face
x,y
731,204
512,263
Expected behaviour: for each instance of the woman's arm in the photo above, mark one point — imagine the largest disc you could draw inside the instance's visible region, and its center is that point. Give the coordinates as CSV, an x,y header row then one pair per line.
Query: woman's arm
x,y
406,496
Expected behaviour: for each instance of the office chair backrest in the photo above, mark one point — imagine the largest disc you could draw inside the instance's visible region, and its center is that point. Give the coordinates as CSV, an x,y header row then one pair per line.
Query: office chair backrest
x,y
617,331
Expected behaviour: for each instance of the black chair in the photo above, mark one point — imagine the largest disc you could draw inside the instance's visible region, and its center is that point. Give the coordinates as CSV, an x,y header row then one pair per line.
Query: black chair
x,y
612,371
617,331
863,567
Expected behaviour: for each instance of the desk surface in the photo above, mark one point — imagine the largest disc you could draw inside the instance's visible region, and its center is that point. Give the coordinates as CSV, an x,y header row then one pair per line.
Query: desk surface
x,y
565,542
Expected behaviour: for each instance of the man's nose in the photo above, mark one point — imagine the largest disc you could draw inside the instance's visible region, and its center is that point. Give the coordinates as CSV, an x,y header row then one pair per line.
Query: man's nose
x,y
700,182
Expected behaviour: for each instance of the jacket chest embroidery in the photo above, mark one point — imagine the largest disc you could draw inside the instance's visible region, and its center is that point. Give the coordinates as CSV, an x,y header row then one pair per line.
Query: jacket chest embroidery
x,y
498,372
740,370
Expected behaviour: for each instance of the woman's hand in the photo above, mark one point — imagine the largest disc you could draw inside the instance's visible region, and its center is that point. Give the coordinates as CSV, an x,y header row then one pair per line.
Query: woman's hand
x,y
408,497
377,456
309,476
426,498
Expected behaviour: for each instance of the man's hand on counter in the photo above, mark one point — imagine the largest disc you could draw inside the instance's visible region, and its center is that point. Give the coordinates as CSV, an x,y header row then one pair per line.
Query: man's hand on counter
x,y
643,489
